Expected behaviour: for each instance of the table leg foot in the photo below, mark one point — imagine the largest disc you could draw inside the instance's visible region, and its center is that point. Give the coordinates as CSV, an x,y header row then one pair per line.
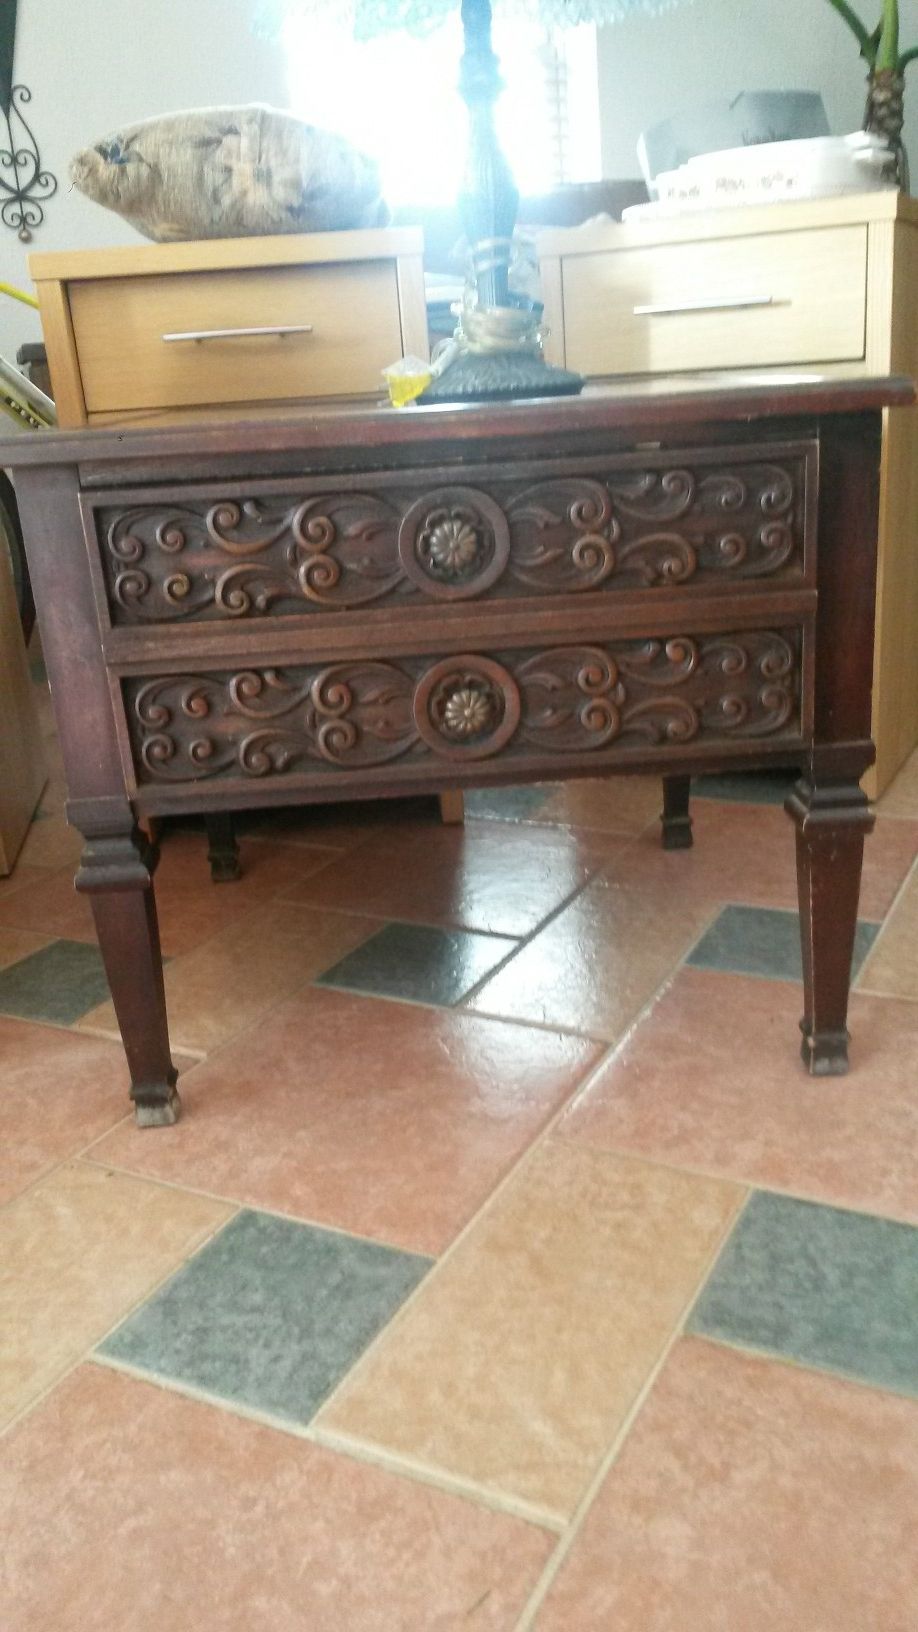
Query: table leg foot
x,y
157,1107
832,816
826,1053
222,848
675,819
115,871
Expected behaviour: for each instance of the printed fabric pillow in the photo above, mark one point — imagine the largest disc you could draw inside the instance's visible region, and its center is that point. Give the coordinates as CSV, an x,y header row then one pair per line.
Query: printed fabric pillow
x,y
230,173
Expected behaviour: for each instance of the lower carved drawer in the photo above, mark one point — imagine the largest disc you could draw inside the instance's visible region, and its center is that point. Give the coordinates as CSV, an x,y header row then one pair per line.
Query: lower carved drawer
x,y
607,699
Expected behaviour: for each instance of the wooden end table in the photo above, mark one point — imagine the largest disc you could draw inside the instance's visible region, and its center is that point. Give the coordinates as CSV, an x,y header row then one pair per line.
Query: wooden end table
x,y
361,603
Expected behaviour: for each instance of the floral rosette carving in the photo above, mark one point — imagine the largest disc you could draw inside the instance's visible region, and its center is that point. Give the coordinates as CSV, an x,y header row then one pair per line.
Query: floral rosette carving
x,y
467,708
454,543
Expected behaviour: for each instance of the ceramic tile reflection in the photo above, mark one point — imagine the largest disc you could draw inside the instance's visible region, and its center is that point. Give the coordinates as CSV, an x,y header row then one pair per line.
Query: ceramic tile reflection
x,y
420,963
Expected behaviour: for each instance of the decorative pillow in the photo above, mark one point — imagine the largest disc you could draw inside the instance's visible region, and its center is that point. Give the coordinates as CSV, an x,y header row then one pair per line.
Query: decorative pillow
x,y
230,173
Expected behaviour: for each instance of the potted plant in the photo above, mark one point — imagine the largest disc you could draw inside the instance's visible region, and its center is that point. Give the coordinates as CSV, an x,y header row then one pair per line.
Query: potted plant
x,y
886,65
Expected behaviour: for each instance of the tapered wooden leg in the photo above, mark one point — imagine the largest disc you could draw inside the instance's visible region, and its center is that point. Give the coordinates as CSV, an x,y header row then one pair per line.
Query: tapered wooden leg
x,y
675,819
831,820
452,808
116,873
222,848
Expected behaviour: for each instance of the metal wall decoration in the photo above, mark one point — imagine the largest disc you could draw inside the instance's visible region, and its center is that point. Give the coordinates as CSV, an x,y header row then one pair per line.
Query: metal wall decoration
x,y
25,186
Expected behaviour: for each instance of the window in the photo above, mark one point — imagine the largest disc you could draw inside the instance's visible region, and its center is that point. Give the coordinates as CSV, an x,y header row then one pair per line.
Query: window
x,y
395,97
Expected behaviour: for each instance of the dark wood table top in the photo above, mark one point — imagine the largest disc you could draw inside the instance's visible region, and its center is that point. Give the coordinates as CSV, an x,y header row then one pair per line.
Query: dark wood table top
x,y
627,409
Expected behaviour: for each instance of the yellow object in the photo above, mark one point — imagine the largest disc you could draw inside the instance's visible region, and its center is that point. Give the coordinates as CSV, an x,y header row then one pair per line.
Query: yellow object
x,y
17,294
406,379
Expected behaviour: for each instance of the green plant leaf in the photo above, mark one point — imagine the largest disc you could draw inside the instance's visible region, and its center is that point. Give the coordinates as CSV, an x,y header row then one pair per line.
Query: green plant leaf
x,y
867,42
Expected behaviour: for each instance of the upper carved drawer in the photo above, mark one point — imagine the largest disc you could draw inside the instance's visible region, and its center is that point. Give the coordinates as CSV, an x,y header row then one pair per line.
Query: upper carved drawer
x,y
635,522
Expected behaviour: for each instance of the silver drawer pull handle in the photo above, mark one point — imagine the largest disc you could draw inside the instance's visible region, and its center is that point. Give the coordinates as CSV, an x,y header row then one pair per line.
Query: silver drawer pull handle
x,y
279,329
715,305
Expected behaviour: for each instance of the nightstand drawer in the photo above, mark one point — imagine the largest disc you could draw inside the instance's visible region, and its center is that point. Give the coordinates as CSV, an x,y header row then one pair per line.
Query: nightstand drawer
x,y
542,709
738,302
262,334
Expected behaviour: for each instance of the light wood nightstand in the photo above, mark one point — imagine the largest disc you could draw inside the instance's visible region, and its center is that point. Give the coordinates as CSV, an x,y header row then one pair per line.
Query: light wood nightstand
x,y
228,327
827,286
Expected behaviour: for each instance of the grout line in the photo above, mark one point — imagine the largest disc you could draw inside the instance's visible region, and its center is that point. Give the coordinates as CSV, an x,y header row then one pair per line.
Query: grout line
x,y
720,1175
888,997
64,1161
794,1363
471,1224
87,1353
911,877
441,1479
525,940
552,1569
255,1207
449,1484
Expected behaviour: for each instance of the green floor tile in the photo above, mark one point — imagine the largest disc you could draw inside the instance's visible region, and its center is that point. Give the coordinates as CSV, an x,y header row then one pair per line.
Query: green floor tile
x,y
419,964
764,941
830,1288
746,787
60,983
505,804
270,1314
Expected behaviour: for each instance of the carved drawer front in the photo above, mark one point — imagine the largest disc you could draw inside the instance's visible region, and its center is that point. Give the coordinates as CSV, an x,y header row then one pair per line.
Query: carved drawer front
x,y
602,702
734,517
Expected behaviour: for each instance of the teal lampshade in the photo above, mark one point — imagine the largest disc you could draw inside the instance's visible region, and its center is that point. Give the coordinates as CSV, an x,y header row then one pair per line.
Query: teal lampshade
x,y
370,17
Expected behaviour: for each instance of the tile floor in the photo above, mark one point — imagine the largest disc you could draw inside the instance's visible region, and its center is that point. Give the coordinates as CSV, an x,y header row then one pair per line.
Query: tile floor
x,y
504,1272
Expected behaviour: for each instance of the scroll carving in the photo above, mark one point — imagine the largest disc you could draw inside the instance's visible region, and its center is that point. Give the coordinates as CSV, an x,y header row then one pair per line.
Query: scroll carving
x,y
579,699
652,527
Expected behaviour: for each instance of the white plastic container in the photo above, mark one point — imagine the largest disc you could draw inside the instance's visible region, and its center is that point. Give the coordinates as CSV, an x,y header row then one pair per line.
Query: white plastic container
x,y
775,171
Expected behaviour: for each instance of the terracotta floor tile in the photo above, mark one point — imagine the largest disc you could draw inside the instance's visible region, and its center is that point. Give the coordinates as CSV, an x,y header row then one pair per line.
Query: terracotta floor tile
x,y
16,944
598,962
487,876
712,1079
60,1092
901,797
51,842
750,1496
616,804
892,966
518,1360
245,970
384,1119
129,1507
746,853
191,908
47,903
76,1252
624,804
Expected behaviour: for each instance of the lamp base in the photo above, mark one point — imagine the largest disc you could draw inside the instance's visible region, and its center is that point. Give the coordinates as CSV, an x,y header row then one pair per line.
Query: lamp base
x,y
499,377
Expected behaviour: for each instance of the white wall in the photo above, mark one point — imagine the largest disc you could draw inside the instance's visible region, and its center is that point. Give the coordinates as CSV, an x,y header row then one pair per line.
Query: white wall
x,y
93,65
651,67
